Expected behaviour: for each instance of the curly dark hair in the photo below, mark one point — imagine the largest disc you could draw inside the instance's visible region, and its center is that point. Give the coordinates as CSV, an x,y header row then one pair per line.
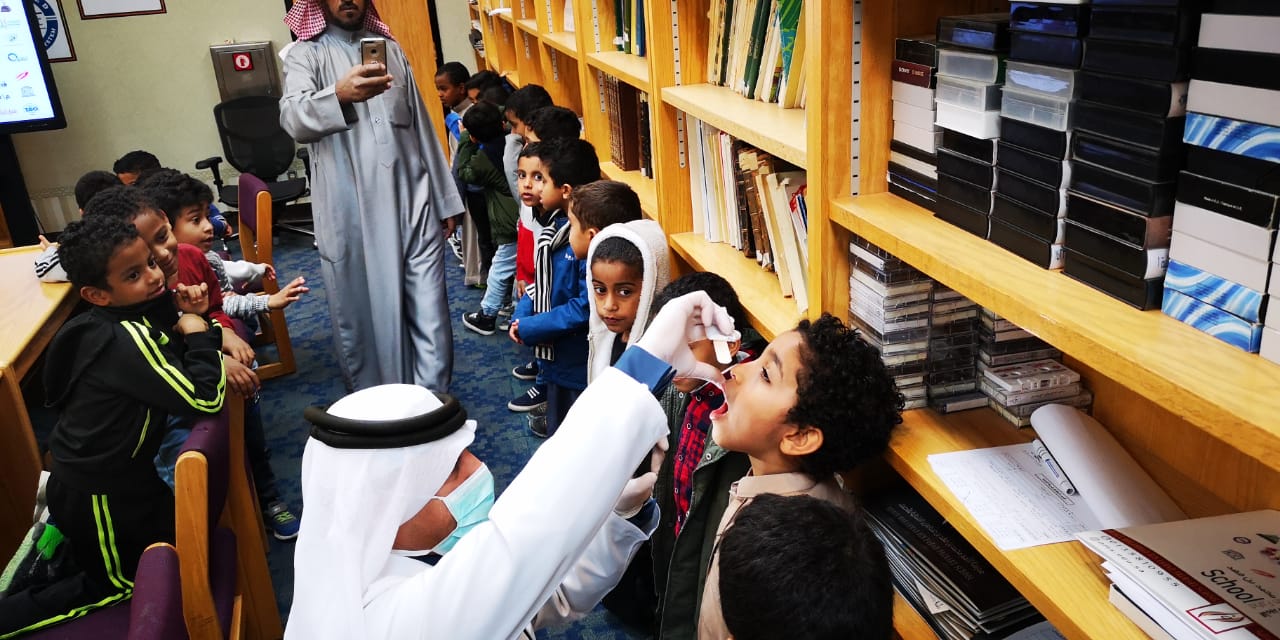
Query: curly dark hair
x,y
93,182
136,162
122,203
86,246
174,191
845,392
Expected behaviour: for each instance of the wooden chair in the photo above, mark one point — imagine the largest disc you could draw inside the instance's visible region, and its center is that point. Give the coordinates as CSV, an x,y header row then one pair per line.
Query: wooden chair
x,y
256,236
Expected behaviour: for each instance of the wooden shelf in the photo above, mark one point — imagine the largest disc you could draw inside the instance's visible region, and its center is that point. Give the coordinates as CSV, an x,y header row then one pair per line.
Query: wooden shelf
x,y
506,16
564,41
643,186
633,70
778,131
907,622
1063,581
1152,354
528,25
770,313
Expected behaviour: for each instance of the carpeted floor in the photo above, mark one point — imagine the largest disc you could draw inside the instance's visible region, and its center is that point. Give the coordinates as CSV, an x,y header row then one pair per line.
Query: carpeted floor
x,y
482,381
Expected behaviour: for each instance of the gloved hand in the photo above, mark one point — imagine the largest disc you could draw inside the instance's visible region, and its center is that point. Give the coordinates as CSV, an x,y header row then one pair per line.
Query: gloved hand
x,y
658,455
634,495
681,321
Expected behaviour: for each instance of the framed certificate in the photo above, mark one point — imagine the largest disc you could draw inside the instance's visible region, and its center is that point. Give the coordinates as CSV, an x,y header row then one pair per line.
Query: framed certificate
x,y
92,9
53,28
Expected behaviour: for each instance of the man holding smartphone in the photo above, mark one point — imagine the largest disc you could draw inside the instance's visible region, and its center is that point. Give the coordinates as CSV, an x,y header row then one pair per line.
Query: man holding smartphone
x,y
381,193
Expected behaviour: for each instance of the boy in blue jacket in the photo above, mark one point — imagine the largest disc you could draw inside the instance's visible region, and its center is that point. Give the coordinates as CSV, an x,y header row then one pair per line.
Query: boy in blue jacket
x,y
553,316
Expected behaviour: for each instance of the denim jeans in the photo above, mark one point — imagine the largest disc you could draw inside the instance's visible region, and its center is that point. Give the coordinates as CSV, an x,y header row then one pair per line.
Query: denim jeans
x,y
501,273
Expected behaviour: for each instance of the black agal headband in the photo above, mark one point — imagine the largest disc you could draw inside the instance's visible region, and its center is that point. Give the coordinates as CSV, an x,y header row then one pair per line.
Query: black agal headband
x,y
347,433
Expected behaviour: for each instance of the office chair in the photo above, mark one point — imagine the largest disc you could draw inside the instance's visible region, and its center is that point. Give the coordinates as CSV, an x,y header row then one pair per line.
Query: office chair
x,y
255,143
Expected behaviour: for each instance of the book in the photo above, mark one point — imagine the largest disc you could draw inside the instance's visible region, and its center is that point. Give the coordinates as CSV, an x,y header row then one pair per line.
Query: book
x,y
1199,579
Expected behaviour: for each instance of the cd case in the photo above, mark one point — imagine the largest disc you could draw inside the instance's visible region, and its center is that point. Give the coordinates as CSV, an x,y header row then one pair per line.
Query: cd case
x,y
1228,328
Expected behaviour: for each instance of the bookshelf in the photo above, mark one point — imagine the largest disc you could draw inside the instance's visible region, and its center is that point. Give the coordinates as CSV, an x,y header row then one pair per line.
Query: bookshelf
x,y
1200,417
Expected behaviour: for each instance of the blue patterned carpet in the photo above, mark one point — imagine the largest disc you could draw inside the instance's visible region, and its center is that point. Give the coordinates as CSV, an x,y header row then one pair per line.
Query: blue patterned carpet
x,y
482,381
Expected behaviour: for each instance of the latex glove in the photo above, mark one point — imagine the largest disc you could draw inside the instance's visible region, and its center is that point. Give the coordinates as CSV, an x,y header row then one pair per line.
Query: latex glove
x,y
635,494
680,322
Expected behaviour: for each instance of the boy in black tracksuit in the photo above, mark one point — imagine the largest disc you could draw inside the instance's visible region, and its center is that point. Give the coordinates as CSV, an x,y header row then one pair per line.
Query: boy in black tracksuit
x,y
115,373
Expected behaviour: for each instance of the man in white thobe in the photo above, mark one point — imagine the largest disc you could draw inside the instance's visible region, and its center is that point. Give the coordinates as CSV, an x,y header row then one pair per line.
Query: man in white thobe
x,y
554,543
380,191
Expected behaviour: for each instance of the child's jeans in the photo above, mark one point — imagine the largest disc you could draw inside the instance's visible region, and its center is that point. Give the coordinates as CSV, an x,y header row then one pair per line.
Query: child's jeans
x,y
501,273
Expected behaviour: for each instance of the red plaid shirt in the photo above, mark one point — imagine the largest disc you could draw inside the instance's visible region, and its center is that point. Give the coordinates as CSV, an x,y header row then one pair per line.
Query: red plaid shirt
x,y
693,442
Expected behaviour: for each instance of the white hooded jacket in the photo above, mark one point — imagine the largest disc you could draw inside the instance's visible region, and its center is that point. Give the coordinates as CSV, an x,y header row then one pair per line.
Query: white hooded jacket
x,y
647,236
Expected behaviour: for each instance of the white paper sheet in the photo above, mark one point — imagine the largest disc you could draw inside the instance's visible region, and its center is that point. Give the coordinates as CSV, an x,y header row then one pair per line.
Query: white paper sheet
x,y
1012,496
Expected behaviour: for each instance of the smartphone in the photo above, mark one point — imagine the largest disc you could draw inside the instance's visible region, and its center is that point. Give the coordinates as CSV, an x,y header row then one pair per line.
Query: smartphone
x,y
373,50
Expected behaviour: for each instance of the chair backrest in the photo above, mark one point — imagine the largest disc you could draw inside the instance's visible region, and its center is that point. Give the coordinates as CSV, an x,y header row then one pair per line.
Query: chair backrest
x,y
256,231
156,610
200,491
252,139
249,187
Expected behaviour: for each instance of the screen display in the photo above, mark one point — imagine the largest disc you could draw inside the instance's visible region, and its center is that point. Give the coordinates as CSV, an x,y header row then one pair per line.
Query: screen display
x,y
28,96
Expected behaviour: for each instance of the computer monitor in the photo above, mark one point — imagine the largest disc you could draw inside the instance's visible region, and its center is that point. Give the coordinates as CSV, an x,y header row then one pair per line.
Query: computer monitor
x,y
28,95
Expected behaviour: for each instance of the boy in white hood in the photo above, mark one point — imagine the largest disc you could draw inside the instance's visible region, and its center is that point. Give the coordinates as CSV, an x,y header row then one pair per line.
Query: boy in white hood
x,y
627,267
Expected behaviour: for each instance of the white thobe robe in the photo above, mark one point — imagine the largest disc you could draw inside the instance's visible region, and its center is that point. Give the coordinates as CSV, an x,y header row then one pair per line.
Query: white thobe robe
x,y
380,188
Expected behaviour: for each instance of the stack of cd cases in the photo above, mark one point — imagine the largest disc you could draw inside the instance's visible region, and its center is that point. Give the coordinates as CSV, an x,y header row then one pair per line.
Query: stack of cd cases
x,y
1127,149
913,164
889,302
1222,260
1008,353
952,365
970,72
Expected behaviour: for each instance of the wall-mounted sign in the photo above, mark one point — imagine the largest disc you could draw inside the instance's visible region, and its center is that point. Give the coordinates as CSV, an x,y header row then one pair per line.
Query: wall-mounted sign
x,y
90,9
53,28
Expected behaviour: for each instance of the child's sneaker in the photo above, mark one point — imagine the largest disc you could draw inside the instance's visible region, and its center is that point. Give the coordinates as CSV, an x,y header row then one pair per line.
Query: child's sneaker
x,y
507,309
534,398
480,323
526,371
284,525
455,243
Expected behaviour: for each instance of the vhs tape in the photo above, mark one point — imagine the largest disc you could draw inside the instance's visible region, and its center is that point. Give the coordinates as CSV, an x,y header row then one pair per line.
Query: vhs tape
x,y
1046,227
1234,101
1244,171
1152,62
1038,48
1243,68
922,200
1168,26
928,182
1039,167
1138,292
1250,139
970,65
1243,238
979,124
973,196
1236,299
964,168
1153,165
985,31
1153,199
1220,261
970,94
976,148
1026,246
1119,223
1046,199
1131,259
1230,329
1257,208
1037,109
1150,97
949,210
1015,398
913,95
1053,19
913,74
1129,126
925,139
921,50
1055,144
1054,82
912,115
925,169
1248,32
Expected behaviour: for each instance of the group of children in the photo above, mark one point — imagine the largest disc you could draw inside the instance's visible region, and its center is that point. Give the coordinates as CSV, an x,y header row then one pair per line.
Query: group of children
x,y
166,334
589,272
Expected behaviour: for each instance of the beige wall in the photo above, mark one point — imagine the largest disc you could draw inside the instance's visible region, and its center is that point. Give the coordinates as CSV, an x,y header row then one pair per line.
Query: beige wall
x,y
455,24
142,82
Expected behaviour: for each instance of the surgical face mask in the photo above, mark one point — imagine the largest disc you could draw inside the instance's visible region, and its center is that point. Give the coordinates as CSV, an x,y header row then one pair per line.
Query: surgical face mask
x,y
469,505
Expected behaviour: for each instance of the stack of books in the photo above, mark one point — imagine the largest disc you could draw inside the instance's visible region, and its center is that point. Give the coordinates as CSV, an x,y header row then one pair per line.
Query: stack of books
x,y
957,592
1038,100
952,366
1016,367
913,161
756,48
1224,230
628,26
970,74
1128,147
756,203
1199,579
890,303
